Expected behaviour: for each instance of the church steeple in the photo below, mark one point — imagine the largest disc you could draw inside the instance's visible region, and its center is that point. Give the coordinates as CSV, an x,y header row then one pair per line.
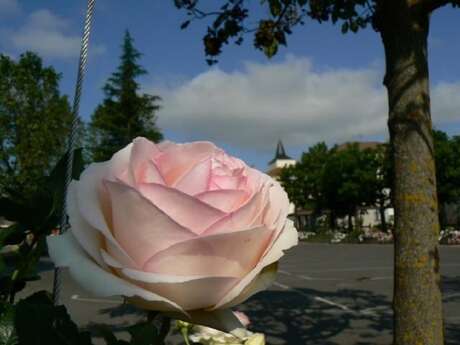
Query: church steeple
x,y
280,153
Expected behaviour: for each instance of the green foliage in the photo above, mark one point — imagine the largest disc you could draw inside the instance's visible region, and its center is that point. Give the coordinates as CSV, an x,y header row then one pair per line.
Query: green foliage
x,y
350,179
124,113
38,321
339,180
231,20
33,217
8,334
304,181
34,123
447,157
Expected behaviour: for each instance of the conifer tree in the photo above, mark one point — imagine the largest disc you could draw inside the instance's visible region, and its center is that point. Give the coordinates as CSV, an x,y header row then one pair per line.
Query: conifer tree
x,y
125,113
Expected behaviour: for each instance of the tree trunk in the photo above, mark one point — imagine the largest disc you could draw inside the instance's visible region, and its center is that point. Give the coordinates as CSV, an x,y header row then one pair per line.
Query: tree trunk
x,y
442,216
417,296
383,221
332,220
350,222
358,220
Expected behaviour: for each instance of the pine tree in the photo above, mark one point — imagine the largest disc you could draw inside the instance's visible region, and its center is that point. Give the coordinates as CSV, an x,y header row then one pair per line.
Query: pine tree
x,y
124,113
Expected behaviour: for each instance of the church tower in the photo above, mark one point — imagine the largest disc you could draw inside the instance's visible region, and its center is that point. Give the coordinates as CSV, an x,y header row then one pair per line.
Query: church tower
x,y
281,160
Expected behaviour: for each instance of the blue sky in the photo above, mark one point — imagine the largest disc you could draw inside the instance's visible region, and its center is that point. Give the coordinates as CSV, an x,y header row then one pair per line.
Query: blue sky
x,y
323,86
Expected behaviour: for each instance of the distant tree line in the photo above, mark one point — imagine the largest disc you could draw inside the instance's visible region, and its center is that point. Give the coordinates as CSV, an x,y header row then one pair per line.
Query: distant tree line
x,y
343,180
35,119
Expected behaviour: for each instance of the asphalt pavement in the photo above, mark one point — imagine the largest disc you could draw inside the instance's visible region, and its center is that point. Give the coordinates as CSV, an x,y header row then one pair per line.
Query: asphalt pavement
x,y
324,295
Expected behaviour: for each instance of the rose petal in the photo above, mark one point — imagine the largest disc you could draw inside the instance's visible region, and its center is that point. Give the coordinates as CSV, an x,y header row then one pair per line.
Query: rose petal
x,y
89,238
225,200
139,275
93,202
278,208
65,251
243,247
121,256
179,159
142,168
151,174
90,188
227,182
249,215
140,227
184,209
89,201
166,145
201,293
196,180
198,265
287,239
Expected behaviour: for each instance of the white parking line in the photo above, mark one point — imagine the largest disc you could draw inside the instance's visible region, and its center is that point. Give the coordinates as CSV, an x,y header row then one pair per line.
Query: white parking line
x,y
368,311
453,295
377,268
334,304
95,300
305,277
317,298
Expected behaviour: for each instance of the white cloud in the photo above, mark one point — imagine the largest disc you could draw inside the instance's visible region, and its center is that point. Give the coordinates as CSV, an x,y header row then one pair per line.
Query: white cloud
x,y
445,102
291,100
8,7
48,35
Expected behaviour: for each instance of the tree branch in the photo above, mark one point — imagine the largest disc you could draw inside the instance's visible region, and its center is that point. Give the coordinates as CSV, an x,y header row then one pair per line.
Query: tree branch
x,y
432,5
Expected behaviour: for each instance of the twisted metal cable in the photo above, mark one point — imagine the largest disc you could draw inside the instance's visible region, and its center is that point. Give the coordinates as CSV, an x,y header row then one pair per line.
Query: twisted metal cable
x,y
73,134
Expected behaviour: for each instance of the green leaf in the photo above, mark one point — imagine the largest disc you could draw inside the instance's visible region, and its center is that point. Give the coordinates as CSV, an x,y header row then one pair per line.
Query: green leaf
x,y
2,264
271,50
7,331
345,27
39,322
58,176
275,7
105,332
185,24
143,334
11,210
14,234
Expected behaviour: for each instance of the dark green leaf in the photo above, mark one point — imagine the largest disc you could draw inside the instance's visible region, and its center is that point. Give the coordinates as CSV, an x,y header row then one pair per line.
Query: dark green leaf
x,y
14,234
271,50
143,334
58,176
7,331
105,332
185,24
39,322
275,7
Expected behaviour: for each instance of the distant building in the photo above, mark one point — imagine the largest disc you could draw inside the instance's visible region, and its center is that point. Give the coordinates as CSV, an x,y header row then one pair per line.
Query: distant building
x,y
280,161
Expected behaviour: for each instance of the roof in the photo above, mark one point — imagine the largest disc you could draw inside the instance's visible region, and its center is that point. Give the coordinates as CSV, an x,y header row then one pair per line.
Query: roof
x,y
280,153
362,145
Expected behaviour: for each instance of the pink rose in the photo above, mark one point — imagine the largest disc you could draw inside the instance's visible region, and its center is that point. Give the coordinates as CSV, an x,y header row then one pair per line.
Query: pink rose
x,y
182,228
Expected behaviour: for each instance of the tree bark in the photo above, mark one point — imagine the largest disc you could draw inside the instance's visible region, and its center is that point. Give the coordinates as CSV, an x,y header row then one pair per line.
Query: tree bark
x,y
417,296
350,222
383,221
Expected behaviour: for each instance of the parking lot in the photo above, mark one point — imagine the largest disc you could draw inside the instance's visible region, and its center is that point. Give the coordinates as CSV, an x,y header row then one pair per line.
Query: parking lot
x,y
324,295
